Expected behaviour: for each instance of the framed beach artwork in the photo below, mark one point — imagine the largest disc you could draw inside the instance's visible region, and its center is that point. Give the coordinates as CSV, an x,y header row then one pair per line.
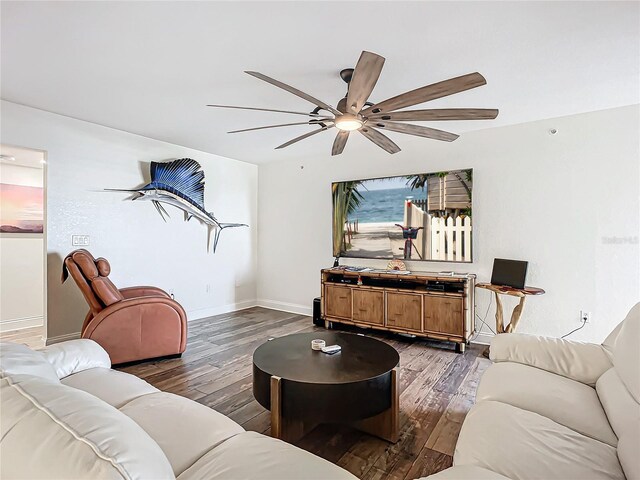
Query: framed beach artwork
x,y
22,209
425,216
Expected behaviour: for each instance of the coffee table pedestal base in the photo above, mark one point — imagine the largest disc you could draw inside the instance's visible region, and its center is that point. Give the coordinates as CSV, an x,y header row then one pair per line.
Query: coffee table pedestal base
x,y
384,425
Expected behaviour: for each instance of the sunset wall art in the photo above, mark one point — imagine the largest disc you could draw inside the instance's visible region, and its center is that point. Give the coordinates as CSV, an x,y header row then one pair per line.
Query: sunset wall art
x,y
21,209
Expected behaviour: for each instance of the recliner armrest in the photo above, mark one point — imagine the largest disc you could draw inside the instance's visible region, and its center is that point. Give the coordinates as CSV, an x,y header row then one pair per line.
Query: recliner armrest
x,y
136,328
74,356
143,291
579,361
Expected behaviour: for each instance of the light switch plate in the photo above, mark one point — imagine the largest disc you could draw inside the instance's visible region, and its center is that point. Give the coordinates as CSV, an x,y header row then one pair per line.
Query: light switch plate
x,y
80,240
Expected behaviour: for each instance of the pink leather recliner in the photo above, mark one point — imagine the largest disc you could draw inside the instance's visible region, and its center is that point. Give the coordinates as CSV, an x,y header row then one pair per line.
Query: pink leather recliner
x,y
131,324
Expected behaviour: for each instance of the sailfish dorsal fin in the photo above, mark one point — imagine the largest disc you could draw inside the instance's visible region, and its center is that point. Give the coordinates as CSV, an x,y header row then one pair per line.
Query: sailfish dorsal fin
x,y
183,177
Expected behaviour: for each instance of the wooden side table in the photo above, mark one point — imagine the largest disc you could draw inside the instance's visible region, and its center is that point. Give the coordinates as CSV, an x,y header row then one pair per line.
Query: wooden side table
x,y
522,293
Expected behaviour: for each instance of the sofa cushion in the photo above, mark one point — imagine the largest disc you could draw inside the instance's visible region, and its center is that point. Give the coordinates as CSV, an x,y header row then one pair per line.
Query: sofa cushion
x,y
252,455
609,343
184,429
565,401
628,448
17,359
524,445
583,362
624,414
466,472
115,388
626,354
50,430
74,356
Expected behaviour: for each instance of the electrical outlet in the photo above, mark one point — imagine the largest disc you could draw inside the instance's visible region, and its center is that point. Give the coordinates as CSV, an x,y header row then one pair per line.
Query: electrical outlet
x,y
585,316
80,240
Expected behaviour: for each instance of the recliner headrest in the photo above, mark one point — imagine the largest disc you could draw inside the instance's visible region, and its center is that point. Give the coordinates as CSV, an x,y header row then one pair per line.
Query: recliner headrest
x,y
89,266
86,263
104,269
95,273
77,256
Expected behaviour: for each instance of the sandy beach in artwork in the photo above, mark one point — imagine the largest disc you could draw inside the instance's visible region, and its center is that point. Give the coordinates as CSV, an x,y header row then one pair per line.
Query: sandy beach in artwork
x,y
377,240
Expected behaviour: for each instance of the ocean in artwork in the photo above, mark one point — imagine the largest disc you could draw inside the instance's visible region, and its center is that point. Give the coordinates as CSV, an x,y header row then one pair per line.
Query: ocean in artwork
x,y
384,205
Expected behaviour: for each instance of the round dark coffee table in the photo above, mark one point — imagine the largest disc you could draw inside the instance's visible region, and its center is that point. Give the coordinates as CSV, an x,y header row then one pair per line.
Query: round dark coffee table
x,y
304,387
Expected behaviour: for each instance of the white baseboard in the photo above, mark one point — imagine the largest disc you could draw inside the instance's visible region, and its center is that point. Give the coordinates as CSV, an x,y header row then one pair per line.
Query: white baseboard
x,y
482,338
211,311
285,307
21,323
62,338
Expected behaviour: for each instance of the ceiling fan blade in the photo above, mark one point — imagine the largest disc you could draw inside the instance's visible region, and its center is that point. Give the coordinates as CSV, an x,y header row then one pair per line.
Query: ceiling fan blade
x,y
339,142
302,137
363,80
379,139
295,91
265,110
417,130
313,122
427,93
437,114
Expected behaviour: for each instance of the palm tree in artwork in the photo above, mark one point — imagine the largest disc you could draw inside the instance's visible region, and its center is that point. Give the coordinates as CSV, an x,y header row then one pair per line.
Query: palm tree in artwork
x,y
346,199
419,181
415,182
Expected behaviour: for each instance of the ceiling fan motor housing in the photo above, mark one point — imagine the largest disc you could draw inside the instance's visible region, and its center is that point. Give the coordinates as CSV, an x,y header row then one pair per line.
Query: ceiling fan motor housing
x,y
346,74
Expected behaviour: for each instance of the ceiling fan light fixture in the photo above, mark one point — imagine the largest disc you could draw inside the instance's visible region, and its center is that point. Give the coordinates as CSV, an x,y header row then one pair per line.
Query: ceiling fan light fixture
x,y
348,123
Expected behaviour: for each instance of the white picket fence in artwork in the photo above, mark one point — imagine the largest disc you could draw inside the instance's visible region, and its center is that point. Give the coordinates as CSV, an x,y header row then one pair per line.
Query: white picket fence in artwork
x,y
451,238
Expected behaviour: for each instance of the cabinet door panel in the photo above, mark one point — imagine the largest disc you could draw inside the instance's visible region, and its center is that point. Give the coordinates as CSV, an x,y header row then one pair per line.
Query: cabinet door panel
x,y
368,306
404,310
337,301
444,315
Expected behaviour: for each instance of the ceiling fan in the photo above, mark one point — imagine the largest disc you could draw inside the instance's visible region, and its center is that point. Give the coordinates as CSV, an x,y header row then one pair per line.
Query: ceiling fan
x,y
354,112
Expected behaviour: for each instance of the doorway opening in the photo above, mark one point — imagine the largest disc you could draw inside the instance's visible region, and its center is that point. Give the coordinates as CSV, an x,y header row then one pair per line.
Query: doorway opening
x,y
23,245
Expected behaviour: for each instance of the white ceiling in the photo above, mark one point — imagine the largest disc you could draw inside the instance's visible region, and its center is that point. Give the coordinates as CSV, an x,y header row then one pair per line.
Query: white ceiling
x,y
151,67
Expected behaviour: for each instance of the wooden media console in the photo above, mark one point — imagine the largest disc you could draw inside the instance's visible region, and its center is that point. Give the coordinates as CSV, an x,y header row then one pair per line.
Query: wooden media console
x,y
421,304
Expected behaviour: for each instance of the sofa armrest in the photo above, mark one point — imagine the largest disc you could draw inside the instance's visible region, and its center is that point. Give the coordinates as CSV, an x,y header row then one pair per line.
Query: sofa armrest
x,y
466,472
579,361
75,356
134,292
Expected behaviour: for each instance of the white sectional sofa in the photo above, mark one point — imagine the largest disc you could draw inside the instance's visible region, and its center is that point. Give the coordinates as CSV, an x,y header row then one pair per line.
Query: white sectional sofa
x,y
547,409
65,414
553,409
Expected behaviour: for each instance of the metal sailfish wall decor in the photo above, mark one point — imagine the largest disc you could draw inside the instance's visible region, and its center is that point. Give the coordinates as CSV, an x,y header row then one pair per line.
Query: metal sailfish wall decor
x,y
180,183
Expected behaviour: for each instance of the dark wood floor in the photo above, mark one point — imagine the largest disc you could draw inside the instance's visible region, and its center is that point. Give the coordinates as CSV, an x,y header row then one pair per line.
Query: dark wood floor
x,y
437,389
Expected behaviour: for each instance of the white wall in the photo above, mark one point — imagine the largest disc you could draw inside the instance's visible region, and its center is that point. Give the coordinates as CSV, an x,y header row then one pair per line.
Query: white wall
x,y
22,260
552,200
83,160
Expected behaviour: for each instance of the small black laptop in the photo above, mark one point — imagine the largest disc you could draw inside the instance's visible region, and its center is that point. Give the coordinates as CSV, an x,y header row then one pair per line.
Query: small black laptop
x,y
509,273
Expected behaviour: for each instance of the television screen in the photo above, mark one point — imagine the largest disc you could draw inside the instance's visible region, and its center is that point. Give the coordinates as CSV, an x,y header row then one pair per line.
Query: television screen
x,y
426,216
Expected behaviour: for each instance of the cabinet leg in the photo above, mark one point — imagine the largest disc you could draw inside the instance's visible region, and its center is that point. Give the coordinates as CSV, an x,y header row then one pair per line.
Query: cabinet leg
x,y
460,347
328,325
